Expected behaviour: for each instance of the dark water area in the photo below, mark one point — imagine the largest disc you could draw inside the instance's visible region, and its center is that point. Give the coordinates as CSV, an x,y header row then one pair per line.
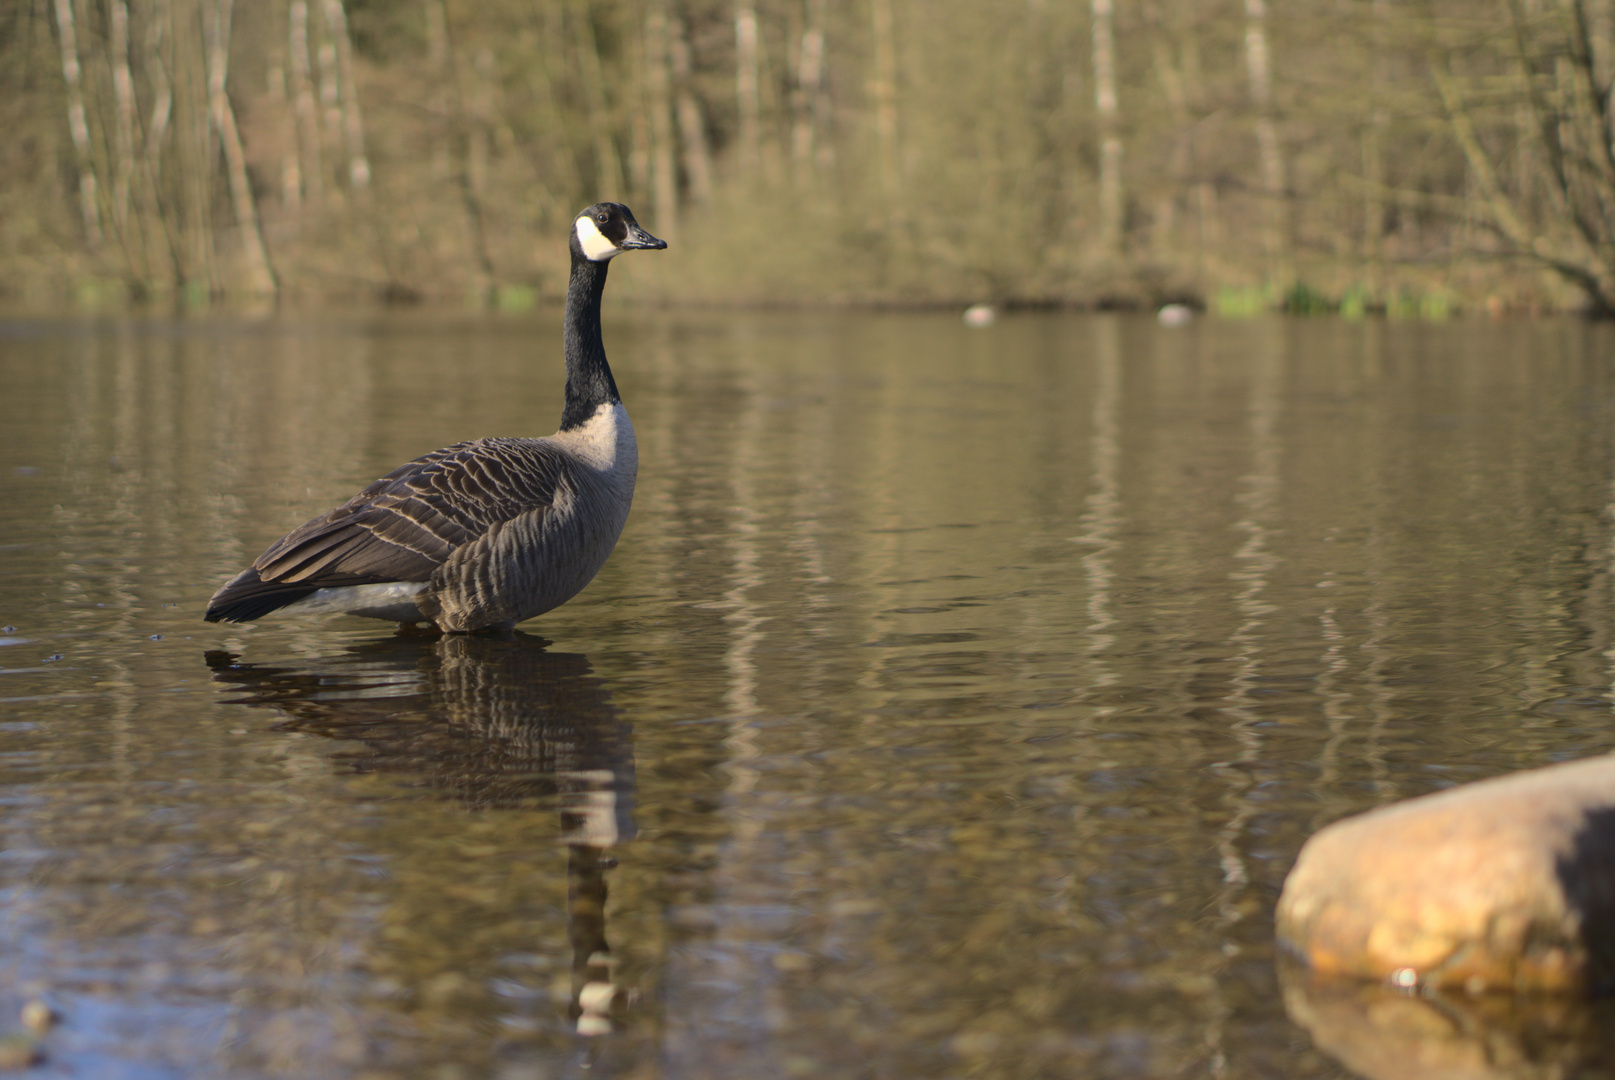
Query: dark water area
x,y
953,706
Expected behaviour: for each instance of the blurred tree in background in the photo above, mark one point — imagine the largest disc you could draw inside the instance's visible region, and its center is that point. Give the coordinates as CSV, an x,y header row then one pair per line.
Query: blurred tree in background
x,y
1355,153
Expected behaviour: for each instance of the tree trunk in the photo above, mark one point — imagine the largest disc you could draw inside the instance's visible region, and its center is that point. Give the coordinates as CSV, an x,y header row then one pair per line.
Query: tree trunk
x,y
746,88
468,108
330,97
162,91
291,179
658,79
336,26
555,157
156,211
1373,160
302,92
123,165
1110,144
1600,23
608,165
195,154
1208,231
1258,68
638,151
1208,234
884,92
78,126
440,74
809,90
692,128
1165,236
260,277
476,118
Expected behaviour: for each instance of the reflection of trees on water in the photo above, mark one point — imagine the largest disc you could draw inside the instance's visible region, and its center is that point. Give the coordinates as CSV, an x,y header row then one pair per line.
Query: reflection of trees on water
x,y
494,722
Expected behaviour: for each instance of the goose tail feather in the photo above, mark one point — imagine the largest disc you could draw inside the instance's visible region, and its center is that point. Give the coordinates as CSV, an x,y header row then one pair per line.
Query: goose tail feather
x,y
247,597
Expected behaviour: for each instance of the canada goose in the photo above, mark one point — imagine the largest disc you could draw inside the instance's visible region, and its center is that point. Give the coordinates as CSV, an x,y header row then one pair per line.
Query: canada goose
x,y
486,533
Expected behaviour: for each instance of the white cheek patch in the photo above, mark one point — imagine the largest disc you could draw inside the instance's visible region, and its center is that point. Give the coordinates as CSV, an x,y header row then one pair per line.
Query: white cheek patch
x,y
596,248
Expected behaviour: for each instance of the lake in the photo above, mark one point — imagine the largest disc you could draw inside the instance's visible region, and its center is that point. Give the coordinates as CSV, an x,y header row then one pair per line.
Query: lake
x,y
953,706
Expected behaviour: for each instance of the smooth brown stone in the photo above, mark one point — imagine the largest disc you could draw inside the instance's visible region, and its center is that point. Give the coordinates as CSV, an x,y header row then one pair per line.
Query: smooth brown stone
x,y
1506,884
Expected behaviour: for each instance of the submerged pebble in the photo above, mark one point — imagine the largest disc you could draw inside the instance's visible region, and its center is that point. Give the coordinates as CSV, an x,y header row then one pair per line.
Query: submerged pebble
x,y
38,1016
19,1050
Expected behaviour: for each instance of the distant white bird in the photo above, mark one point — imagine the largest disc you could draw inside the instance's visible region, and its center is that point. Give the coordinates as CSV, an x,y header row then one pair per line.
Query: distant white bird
x,y
1174,315
980,315
486,533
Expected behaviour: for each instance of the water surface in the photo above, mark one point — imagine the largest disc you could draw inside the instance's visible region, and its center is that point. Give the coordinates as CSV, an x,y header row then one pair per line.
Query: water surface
x,y
954,704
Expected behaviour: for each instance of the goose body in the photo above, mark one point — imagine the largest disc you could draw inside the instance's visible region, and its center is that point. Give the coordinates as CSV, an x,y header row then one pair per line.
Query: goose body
x,y
482,534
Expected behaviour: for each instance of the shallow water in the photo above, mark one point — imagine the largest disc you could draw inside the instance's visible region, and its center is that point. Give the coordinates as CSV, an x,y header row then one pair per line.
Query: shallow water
x,y
954,704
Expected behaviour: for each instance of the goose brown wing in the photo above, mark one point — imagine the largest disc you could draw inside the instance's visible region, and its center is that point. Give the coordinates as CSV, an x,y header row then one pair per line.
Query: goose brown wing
x,y
407,524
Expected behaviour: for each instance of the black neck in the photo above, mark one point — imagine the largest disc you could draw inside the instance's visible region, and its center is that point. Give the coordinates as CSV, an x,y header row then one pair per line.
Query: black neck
x,y
589,384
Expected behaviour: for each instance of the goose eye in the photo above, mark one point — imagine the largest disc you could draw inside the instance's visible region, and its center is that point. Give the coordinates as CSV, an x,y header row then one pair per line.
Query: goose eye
x,y
603,218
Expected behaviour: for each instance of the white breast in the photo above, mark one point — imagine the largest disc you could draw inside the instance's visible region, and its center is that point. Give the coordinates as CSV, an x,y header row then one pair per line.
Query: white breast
x,y
605,443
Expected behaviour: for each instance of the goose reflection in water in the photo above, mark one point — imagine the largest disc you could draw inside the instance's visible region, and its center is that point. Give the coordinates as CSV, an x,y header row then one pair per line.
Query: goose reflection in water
x,y
495,722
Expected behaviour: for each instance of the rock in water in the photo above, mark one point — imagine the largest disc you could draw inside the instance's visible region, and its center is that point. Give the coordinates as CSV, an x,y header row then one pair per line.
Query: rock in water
x,y
1175,315
1506,884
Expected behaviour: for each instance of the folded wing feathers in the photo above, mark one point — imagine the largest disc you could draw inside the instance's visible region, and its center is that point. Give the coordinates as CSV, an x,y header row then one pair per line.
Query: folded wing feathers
x,y
408,523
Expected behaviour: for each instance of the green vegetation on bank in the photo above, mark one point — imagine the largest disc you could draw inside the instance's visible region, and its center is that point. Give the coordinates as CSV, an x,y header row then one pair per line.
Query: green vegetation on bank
x,y
1361,157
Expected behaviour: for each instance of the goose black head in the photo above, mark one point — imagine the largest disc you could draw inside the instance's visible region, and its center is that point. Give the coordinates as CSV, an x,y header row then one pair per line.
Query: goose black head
x,y
607,229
